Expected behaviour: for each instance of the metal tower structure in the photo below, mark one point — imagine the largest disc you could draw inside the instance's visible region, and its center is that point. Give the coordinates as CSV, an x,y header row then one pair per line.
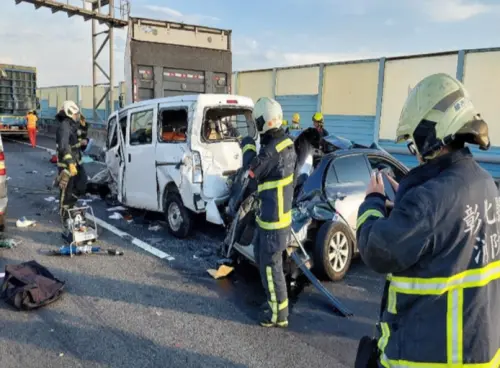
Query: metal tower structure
x,y
96,12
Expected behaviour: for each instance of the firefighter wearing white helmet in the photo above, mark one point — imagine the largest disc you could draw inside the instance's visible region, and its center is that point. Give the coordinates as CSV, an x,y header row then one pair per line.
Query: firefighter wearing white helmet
x,y
437,241
72,179
273,170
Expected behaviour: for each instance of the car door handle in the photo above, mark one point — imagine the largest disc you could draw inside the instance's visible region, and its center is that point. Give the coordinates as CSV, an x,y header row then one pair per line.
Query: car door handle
x,y
129,157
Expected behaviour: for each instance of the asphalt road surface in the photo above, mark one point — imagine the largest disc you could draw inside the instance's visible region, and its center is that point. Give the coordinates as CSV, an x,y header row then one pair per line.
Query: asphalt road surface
x,y
141,311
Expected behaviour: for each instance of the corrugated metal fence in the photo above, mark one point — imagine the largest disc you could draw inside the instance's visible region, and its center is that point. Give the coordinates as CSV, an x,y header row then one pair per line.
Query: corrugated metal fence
x,y
52,98
362,100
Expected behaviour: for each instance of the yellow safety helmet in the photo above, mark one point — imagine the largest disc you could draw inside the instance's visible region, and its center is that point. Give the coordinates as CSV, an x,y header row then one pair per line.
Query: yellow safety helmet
x,y
285,123
296,118
436,112
318,117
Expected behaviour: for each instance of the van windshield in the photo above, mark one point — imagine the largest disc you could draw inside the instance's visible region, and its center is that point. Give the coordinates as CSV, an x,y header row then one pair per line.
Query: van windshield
x,y
227,123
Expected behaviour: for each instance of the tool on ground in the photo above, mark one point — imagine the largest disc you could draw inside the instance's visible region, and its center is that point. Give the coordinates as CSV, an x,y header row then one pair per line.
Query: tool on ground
x,y
9,243
303,262
70,250
76,230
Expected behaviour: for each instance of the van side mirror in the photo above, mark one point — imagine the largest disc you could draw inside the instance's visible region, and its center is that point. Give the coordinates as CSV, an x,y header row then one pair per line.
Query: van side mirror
x,y
120,101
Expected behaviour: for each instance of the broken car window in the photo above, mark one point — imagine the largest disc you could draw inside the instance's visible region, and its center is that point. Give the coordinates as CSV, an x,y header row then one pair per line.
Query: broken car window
x,y
112,140
141,127
223,124
173,125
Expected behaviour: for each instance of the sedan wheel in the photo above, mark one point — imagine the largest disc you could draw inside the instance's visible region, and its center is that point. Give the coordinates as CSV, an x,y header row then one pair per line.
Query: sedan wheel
x,y
333,250
338,254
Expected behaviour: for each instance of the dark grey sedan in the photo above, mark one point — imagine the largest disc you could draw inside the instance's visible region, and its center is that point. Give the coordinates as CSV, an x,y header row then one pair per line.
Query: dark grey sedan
x,y
327,199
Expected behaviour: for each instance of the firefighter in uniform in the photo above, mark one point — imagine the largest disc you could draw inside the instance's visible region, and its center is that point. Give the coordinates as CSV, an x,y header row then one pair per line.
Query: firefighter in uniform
x,y
319,123
439,241
295,121
273,170
82,133
72,179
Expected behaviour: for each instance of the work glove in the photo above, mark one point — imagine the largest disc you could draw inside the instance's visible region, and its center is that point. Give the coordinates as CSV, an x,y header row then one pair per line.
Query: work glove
x,y
72,169
63,179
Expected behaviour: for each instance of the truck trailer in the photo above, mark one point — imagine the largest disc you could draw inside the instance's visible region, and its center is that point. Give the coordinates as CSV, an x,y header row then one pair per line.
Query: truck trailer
x,y
17,97
164,59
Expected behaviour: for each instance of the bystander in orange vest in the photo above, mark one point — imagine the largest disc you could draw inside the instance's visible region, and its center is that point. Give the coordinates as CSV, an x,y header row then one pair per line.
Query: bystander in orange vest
x,y
31,121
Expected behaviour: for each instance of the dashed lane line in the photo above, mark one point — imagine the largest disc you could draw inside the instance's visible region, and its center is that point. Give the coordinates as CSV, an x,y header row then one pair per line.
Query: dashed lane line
x,y
125,236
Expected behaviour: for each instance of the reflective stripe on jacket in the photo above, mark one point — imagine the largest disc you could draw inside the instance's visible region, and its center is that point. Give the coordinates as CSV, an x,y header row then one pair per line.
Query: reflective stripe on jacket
x,y
440,247
273,169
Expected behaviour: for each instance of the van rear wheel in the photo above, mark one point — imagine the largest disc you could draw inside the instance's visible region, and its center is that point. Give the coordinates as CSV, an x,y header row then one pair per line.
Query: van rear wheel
x,y
179,219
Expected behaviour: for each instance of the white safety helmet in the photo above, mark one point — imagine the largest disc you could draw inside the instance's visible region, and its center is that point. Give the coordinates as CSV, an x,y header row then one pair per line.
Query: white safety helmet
x,y
70,109
267,114
437,112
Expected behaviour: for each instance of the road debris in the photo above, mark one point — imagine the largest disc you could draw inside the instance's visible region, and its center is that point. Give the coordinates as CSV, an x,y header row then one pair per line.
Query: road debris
x,y
32,172
24,222
50,199
116,216
9,243
154,228
222,271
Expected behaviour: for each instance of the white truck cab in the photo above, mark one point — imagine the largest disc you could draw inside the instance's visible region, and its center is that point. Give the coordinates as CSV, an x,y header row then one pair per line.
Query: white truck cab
x,y
174,154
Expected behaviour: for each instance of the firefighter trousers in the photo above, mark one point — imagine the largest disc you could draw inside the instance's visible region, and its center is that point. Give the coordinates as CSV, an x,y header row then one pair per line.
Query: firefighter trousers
x,y
76,187
269,249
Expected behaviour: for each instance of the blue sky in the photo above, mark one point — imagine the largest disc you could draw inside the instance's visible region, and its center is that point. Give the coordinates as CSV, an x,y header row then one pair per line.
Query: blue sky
x,y
265,33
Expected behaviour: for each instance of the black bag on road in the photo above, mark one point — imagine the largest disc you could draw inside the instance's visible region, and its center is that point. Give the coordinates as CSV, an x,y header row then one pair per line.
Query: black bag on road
x,y
30,285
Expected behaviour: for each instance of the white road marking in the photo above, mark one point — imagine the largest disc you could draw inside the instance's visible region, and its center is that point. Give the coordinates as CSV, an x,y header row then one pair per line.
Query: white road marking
x,y
49,150
137,242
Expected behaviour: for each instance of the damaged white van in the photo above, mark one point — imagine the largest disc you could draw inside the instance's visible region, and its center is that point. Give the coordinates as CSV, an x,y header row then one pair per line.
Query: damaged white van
x,y
174,154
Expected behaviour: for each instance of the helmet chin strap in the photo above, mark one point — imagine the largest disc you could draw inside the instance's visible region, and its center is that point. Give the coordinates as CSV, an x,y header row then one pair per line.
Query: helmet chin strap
x,y
437,146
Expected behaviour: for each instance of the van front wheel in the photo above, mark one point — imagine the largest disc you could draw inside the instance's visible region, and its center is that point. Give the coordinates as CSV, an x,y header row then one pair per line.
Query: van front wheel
x,y
179,219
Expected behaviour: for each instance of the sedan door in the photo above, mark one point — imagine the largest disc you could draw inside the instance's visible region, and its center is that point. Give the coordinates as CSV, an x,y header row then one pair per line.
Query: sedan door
x,y
346,182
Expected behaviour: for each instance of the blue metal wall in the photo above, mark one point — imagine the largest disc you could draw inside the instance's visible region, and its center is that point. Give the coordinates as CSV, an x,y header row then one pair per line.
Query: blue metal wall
x,y
305,105
399,151
355,128
47,112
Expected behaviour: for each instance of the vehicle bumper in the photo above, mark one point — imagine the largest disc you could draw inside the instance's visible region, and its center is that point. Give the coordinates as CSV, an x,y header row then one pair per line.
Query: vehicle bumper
x,y
213,214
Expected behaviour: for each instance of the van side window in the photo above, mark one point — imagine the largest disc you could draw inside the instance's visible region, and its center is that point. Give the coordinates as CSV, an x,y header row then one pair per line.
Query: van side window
x,y
173,125
112,140
141,127
123,125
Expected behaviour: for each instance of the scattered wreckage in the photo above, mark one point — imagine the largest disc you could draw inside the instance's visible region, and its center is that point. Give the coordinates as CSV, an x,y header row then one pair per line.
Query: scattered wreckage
x,y
331,178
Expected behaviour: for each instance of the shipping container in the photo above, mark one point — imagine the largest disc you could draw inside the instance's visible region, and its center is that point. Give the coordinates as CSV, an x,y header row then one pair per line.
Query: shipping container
x,y
165,59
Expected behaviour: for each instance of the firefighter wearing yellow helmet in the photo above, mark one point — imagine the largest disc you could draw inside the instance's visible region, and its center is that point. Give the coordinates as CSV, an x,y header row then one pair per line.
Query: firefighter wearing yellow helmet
x,y
296,121
435,241
319,123
273,170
